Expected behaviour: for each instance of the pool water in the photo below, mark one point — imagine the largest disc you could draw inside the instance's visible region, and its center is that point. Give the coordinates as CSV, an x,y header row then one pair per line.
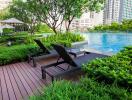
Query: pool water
x,y
108,42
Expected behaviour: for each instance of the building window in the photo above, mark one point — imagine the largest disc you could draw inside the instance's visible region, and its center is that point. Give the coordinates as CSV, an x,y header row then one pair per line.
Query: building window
x,y
91,15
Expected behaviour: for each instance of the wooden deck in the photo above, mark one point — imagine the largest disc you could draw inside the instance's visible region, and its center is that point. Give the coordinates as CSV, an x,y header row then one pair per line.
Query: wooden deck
x,y
19,81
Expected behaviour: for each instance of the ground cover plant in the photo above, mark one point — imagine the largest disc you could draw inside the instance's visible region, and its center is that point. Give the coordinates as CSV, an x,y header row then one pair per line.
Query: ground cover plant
x,y
85,89
117,68
19,52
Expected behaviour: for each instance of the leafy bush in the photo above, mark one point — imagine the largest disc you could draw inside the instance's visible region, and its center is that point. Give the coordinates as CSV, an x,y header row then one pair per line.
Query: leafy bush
x,y
86,89
126,54
125,26
16,38
25,38
7,31
43,28
63,37
116,68
15,53
67,37
3,39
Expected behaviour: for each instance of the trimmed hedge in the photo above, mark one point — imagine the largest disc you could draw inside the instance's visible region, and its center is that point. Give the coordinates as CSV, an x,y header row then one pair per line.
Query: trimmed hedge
x,y
86,89
117,68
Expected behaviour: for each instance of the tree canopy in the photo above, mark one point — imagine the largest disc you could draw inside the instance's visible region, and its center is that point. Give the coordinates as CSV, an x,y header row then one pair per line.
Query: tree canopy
x,y
4,13
52,12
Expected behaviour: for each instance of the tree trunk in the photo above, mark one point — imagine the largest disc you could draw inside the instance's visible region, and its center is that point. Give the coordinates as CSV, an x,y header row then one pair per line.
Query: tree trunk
x,y
32,30
54,29
68,26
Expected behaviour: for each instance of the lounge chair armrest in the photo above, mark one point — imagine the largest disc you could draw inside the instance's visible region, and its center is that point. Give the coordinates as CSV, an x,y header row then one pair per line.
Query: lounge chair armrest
x,y
72,53
52,64
86,52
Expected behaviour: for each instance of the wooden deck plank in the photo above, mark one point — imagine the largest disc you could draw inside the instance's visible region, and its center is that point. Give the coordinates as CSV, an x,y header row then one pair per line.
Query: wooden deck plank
x,y
33,80
0,88
9,85
38,73
0,91
27,79
14,84
19,83
5,95
48,79
37,78
27,87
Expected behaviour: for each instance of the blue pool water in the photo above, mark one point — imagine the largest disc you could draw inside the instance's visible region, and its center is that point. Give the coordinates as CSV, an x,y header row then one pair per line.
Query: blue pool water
x,y
108,42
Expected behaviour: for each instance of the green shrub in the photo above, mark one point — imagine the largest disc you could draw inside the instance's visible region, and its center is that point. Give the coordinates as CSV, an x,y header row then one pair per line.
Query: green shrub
x,y
126,54
7,31
15,53
69,37
125,26
15,38
44,29
117,68
86,89
3,39
25,38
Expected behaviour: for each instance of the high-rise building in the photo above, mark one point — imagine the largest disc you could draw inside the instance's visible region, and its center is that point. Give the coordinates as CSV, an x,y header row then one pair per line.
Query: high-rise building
x,y
111,11
125,10
117,10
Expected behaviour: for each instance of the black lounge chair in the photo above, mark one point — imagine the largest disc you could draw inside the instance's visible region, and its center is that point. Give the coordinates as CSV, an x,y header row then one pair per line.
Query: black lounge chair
x,y
45,52
42,46
75,63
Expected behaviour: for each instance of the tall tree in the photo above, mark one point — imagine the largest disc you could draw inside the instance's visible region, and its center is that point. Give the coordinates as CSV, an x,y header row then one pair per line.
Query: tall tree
x,y
53,12
75,8
4,13
47,11
20,10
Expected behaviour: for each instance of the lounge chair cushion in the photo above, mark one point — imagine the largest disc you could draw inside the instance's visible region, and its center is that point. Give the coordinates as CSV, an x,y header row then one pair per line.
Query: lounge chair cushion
x,y
86,58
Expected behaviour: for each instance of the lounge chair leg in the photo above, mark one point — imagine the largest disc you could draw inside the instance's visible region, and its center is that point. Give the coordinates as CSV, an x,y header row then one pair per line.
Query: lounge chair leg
x,y
29,58
58,59
68,67
34,63
52,78
43,73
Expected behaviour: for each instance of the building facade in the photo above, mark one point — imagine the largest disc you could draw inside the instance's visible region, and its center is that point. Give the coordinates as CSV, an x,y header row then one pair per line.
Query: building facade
x,y
125,10
87,20
111,11
117,10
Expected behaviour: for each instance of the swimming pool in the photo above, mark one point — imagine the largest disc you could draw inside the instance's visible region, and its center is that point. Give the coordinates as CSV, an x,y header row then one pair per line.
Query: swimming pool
x,y
108,42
